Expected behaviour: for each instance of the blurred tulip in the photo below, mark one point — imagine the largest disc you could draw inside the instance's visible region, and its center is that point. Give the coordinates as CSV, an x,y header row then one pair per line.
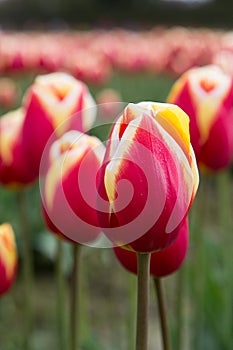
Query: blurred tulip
x,y
149,177
8,93
224,59
206,95
163,262
14,170
50,103
89,66
109,103
69,186
8,258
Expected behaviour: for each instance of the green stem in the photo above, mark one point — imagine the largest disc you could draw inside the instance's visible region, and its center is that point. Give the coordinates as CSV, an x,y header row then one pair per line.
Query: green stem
x,y
180,281
131,311
162,313
84,330
61,317
224,188
27,262
143,301
75,298
199,216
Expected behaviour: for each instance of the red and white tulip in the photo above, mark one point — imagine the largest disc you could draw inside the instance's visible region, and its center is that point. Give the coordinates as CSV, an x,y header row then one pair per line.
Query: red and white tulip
x,y
8,258
54,104
15,172
206,95
69,186
149,177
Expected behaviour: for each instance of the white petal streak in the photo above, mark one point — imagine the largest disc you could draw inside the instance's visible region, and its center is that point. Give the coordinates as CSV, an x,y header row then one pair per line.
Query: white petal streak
x,y
185,183
117,155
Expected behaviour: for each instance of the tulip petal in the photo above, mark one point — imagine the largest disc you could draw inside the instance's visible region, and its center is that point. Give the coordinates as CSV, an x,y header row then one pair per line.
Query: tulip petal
x,y
8,257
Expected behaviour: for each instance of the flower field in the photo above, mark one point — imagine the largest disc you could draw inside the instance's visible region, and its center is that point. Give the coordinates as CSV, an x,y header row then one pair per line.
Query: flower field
x,y
93,55
131,67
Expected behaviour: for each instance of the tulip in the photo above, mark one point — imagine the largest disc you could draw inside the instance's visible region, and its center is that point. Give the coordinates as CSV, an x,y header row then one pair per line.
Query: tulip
x,y
14,170
8,258
8,93
50,103
206,95
69,186
149,177
224,59
69,199
147,183
163,262
109,101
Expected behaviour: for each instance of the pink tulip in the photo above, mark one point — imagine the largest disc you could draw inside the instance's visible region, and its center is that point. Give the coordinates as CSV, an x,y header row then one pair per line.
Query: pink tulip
x,y
109,103
8,93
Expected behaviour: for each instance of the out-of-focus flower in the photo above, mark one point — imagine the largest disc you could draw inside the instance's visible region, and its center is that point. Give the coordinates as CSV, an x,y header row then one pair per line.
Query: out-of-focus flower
x,y
69,186
109,105
163,262
8,258
224,59
149,177
14,170
89,66
8,93
50,103
206,95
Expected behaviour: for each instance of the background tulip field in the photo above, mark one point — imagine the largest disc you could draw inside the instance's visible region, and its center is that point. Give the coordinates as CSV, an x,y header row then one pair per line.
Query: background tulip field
x,y
129,66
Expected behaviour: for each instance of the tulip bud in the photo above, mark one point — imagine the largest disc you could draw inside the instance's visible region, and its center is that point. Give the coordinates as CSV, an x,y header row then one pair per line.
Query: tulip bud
x,y
68,186
50,103
162,263
8,258
14,170
149,177
206,95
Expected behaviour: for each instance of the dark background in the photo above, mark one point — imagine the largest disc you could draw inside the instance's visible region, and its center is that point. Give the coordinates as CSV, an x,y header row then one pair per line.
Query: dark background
x,y
23,14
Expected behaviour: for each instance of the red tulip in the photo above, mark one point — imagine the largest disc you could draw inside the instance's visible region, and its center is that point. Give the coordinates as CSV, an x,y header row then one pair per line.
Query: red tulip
x,y
8,258
149,177
69,186
206,95
50,103
163,262
14,170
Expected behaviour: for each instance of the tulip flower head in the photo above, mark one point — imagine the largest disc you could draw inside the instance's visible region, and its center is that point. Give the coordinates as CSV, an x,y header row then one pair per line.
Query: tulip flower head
x,y
149,177
68,186
15,172
54,104
8,258
206,95
162,263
